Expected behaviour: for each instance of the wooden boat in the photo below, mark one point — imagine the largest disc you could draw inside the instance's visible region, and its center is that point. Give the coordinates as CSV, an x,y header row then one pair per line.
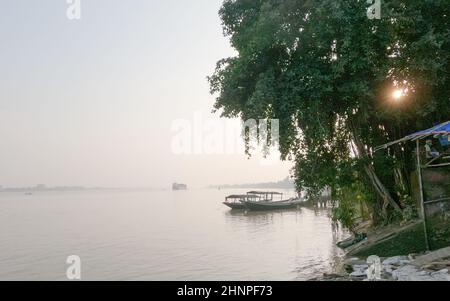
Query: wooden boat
x,y
271,205
266,201
237,201
266,195
260,201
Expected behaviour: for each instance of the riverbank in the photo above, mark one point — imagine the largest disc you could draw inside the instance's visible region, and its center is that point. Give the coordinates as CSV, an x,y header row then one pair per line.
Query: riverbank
x,y
397,252
430,266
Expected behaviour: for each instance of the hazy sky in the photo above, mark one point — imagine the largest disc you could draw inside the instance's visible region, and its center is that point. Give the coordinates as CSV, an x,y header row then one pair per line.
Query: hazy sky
x,y
93,101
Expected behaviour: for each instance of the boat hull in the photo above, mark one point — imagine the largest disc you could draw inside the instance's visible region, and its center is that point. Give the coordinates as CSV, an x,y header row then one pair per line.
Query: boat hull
x,y
236,206
266,206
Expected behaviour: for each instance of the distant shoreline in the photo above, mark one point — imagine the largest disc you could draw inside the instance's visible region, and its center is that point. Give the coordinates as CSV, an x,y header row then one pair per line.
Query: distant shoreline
x,y
284,184
73,189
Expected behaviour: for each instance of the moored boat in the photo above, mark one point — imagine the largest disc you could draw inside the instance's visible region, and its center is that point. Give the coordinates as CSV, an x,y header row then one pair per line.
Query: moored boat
x,y
238,201
267,201
270,205
261,201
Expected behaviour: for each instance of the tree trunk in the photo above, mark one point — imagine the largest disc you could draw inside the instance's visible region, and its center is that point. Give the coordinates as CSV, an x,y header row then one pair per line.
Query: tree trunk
x,y
379,187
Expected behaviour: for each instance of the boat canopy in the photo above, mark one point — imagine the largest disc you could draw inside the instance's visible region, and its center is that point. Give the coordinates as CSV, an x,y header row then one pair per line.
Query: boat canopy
x,y
241,196
264,193
441,132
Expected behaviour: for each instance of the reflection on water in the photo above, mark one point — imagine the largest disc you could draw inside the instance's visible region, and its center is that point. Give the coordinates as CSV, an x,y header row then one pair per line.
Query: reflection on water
x,y
161,235
304,239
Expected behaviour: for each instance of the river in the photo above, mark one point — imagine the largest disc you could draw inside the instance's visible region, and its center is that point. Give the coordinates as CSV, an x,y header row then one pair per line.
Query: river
x,y
161,235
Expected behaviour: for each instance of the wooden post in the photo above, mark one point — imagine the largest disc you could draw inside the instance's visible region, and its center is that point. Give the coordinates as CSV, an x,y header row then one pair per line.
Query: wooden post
x,y
422,205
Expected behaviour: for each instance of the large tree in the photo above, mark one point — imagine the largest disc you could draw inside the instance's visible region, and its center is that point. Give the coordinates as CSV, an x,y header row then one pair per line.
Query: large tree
x,y
327,72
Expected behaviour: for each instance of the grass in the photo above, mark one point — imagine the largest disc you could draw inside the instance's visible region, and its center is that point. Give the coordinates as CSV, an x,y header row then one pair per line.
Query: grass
x,y
412,240
407,242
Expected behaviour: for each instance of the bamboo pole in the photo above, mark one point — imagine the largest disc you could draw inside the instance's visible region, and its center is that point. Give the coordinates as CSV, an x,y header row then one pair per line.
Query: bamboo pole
x,y
438,165
422,201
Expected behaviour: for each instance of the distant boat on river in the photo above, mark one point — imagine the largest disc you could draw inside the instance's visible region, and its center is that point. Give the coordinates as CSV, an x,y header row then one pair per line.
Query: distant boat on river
x,y
178,186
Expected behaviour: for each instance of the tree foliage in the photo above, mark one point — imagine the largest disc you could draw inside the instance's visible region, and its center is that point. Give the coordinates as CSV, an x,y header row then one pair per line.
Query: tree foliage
x,y
327,72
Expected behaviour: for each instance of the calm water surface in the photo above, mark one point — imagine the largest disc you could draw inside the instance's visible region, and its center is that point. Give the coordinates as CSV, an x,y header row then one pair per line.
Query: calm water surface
x,y
160,235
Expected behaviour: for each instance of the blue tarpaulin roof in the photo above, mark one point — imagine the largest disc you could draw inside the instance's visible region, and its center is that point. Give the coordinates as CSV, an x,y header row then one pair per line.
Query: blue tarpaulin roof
x,y
441,132
443,128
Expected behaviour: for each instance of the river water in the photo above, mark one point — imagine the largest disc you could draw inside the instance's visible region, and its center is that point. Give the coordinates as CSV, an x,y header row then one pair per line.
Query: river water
x,y
160,235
